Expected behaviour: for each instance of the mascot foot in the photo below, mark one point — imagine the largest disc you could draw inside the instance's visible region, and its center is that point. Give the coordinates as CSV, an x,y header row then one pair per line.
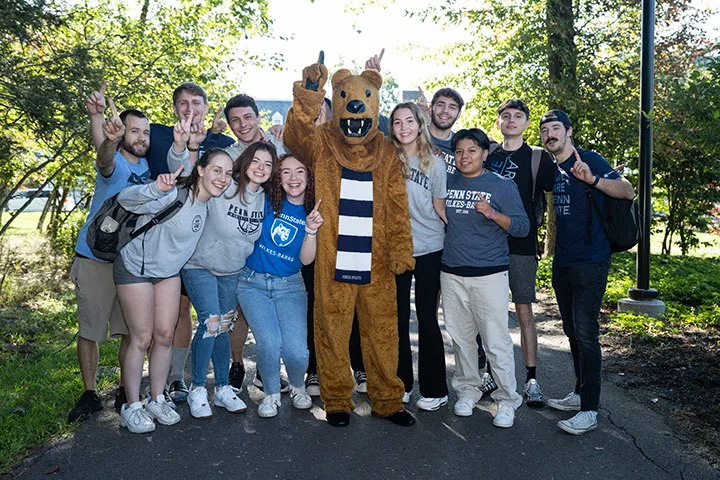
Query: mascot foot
x,y
339,419
401,417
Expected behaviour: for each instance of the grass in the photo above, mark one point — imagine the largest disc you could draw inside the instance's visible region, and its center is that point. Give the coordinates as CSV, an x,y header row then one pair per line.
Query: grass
x,y
24,224
40,375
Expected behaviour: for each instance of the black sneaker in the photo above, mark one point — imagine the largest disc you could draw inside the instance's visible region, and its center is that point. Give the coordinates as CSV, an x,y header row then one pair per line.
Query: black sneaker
x,y
284,385
178,391
120,398
88,403
237,375
487,384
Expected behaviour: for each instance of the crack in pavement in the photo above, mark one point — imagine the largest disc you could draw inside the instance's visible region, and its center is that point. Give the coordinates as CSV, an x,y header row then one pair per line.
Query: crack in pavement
x,y
638,447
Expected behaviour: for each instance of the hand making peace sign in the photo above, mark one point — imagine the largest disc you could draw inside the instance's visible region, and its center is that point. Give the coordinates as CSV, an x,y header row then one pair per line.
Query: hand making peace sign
x,y
113,128
166,181
181,131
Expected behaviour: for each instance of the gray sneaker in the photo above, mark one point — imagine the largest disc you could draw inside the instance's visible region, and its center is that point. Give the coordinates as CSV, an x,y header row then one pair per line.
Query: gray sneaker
x,y
570,403
581,423
533,395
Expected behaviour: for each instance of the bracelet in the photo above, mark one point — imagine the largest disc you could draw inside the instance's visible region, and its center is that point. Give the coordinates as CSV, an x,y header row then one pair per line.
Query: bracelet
x,y
597,180
310,231
492,214
193,149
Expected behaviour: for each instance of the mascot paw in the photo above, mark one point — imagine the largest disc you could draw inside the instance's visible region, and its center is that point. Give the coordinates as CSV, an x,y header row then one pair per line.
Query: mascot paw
x,y
398,267
315,75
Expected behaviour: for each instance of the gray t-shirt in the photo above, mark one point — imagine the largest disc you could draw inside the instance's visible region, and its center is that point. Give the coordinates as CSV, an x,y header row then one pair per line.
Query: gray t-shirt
x,y
428,230
166,247
230,232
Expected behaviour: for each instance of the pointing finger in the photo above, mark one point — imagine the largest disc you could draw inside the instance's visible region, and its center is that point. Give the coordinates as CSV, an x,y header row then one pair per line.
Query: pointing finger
x,y
317,205
177,172
321,57
382,52
113,109
103,87
218,113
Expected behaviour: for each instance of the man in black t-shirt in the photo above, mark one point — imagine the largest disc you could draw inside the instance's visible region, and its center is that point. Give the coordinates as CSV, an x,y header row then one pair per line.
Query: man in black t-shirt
x,y
513,160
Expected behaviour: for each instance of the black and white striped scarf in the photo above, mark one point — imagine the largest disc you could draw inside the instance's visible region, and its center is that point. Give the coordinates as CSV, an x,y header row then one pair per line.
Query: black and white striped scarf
x,y
355,228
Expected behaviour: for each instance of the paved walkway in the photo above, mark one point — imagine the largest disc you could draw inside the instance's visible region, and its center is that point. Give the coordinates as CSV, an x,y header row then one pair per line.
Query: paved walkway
x,y
631,442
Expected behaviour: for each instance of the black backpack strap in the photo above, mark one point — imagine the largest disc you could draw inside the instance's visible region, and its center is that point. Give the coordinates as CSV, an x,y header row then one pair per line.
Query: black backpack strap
x,y
165,214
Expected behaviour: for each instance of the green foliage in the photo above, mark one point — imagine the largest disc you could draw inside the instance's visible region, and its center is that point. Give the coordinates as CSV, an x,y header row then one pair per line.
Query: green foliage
x,y
689,286
48,67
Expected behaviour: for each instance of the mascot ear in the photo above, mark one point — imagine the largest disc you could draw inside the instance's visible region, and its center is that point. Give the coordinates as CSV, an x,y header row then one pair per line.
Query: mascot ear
x,y
373,77
339,76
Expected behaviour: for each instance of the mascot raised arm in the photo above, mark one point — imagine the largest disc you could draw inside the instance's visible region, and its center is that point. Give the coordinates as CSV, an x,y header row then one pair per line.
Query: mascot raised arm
x,y
364,242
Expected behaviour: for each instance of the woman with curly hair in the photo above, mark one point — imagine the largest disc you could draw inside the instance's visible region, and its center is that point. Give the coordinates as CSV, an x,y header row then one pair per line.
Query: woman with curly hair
x,y
425,180
271,291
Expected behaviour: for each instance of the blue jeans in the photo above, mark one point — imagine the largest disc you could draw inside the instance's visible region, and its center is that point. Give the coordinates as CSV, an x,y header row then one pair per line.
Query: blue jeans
x,y
214,300
275,308
579,290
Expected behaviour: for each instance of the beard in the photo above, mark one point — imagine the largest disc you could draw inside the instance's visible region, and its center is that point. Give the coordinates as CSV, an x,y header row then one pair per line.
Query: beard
x,y
443,126
139,149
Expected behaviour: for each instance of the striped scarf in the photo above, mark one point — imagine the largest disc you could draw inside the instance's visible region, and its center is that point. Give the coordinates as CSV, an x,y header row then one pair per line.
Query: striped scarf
x,y
355,228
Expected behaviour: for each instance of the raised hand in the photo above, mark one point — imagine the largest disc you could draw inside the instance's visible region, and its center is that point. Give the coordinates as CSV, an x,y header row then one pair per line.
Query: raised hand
x,y
113,128
95,103
314,220
482,206
373,63
197,136
422,103
218,125
181,133
581,170
277,131
316,75
166,181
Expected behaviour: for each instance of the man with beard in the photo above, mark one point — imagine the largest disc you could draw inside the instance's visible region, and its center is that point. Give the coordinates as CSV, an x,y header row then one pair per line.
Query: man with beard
x,y
445,109
120,163
581,261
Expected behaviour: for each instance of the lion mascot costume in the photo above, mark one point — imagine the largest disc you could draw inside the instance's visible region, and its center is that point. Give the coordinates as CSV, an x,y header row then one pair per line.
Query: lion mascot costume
x,y
364,242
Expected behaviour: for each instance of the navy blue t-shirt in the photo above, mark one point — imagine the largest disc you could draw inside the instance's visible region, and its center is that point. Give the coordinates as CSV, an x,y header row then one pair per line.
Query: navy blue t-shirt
x,y
161,139
571,211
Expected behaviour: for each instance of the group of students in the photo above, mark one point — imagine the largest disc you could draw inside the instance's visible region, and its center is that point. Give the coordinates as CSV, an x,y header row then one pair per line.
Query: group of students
x,y
246,229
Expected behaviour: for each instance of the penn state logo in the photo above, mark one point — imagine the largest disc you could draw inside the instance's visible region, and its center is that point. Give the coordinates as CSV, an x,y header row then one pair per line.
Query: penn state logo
x,y
249,225
197,223
282,232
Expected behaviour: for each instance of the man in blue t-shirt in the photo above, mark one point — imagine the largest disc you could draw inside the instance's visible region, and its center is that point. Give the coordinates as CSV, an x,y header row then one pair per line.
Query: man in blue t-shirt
x,y
120,163
581,261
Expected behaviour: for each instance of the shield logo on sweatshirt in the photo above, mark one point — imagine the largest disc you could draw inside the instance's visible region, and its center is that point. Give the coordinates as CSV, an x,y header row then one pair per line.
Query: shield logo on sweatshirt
x,y
283,233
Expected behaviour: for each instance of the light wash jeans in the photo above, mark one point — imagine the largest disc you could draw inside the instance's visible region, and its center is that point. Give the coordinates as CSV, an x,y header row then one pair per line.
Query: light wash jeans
x,y
275,308
212,296
475,305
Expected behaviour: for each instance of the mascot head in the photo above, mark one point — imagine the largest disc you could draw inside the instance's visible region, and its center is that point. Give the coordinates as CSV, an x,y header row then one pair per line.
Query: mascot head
x,y
356,102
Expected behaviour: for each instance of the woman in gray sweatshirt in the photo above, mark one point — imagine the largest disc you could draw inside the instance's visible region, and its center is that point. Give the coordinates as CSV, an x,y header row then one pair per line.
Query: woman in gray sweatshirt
x,y
147,275
234,222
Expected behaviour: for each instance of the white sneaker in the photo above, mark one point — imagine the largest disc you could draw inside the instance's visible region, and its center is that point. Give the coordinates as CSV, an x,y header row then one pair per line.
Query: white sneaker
x,y
198,402
431,404
360,381
570,403
159,409
464,406
300,398
269,406
505,416
582,422
312,385
135,419
226,398
406,397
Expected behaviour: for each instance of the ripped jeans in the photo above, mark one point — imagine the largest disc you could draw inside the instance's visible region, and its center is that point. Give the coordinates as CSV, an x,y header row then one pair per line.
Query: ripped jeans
x,y
214,300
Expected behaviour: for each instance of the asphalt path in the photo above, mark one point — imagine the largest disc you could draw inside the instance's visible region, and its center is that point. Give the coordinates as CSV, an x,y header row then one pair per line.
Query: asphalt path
x,y
631,442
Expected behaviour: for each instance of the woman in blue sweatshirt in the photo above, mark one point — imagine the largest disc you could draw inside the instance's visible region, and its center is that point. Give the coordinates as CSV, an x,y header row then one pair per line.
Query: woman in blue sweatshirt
x,y
271,291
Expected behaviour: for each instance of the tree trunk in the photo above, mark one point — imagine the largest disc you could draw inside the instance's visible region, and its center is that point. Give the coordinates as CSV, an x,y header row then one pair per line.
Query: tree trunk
x,y
562,79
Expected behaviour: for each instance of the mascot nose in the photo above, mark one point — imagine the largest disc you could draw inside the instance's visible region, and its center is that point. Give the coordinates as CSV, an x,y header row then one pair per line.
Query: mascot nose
x,y
355,106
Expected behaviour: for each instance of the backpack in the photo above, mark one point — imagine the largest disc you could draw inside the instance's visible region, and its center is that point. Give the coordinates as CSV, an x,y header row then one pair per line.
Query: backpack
x,y
113,226
621,221
538,203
